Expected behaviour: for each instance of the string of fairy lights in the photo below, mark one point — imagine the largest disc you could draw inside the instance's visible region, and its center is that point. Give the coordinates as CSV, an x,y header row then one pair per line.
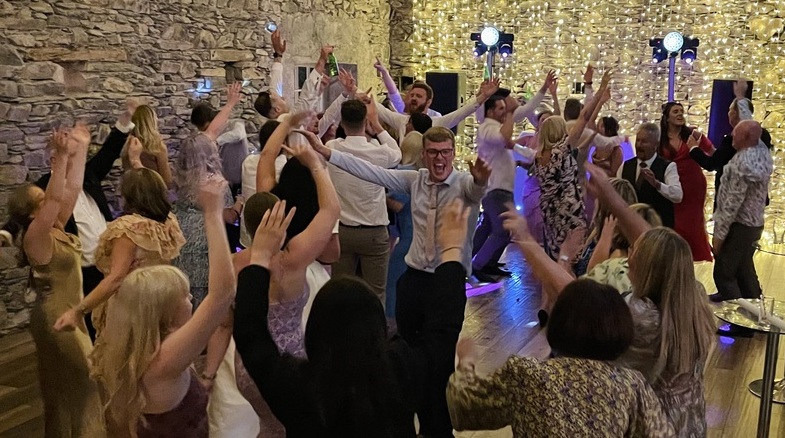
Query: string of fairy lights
x,y
738,38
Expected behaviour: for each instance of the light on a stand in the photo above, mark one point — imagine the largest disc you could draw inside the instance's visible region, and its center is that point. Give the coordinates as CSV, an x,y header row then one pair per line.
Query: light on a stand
x,y
489,36
669,48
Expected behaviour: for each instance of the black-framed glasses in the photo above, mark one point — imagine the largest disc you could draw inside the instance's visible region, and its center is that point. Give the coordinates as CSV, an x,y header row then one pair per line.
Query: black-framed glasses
x,y
445,153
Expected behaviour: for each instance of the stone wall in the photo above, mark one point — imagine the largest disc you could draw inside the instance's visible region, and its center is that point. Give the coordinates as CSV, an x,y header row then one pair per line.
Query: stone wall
x,y
66,60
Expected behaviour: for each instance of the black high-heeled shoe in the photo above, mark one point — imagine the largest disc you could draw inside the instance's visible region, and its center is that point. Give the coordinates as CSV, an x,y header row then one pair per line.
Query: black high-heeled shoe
x,y
542,315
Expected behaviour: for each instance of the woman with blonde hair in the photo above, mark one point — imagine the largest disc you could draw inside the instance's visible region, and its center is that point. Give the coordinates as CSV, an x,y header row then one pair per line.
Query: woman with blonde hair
x,y
147,234
154,154
72,406
144,357
673,323
556,169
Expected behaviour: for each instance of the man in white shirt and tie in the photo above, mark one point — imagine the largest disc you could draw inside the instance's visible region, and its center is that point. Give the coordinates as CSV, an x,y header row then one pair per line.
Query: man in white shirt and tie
x,y
656,180
363,236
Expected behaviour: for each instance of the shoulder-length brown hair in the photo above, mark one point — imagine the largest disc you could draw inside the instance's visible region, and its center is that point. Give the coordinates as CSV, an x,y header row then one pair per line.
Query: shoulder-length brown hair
x,y
144,193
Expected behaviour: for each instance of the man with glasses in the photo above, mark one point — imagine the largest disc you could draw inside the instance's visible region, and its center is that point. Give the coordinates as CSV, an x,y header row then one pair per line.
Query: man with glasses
x,y
431,190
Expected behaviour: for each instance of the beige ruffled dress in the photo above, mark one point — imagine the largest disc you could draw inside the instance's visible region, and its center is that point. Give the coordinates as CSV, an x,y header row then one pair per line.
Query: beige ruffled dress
x,y
157,243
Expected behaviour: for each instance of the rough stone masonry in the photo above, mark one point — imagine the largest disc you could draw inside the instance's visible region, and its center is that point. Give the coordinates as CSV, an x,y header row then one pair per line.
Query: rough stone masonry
x,y
66,60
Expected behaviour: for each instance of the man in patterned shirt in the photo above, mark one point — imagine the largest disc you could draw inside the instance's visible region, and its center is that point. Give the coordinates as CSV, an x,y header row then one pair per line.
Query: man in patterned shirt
x,y
739,215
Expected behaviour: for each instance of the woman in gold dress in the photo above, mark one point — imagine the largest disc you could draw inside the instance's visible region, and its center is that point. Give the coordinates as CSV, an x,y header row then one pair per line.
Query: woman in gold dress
x,y
72,407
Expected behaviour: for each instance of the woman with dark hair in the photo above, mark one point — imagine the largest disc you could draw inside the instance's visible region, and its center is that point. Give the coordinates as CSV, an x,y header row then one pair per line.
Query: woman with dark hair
x,y
147,235
576,393
355,382
72,406
676,140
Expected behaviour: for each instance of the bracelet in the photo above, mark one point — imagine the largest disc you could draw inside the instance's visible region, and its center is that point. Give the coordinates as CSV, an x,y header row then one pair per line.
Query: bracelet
x,y
588,83
206,376
277,55
564,258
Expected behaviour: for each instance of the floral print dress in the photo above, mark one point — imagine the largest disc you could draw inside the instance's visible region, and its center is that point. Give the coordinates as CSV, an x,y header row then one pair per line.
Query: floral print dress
x,y
561,199
562,397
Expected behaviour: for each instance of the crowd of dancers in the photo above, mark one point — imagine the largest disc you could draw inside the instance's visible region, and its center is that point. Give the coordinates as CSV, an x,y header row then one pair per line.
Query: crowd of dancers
x,y
296,323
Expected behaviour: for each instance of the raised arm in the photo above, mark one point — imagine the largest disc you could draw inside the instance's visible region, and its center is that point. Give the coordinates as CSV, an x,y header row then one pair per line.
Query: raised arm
x,y
392,90
265,168
308,99
530,107
219,122
307,246
451,120
79,141
37,239
588,111
276,70
181,348
102,162
394,180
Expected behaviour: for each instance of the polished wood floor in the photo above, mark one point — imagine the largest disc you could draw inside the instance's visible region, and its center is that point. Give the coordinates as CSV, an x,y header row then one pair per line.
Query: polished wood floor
x,y
503,323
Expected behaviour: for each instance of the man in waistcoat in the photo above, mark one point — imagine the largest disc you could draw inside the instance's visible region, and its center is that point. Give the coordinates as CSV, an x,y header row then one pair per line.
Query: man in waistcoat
x,y
656,180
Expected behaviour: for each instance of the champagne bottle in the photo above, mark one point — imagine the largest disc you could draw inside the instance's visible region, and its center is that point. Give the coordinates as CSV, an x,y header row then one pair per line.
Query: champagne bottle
x,y
332,65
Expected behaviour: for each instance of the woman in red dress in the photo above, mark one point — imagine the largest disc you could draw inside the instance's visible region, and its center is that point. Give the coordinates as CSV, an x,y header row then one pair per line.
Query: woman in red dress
x,y
675,142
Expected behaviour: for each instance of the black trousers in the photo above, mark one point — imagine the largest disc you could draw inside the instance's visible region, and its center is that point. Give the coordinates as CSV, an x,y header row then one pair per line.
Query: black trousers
x,y
734,269
414,298
91,276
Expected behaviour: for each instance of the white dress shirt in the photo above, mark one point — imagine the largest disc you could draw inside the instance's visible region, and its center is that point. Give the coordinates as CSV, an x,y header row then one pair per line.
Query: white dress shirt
x,y
449,121
90,223
418,184
492,148
363,202
670,188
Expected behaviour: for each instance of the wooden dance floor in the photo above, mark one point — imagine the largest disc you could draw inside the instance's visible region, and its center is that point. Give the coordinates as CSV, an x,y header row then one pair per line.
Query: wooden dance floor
x,y
503,322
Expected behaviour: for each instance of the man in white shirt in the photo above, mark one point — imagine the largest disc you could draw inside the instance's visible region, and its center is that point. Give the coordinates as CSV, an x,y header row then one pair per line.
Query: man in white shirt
x,y
363,236
415,101
494,146
656,180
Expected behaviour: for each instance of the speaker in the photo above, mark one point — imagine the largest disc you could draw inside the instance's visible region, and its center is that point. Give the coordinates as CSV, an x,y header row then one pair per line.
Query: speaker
x,y
449,87
721,98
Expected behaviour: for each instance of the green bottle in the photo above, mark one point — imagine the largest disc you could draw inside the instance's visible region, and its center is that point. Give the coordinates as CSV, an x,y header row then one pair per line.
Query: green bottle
x,y
486,75
332,65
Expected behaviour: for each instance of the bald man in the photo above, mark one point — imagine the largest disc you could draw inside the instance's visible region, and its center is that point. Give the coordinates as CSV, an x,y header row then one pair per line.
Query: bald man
x,y
739,215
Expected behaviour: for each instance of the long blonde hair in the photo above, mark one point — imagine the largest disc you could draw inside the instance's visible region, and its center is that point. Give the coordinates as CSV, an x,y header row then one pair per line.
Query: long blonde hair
x,y
662,271
146,129
138,318
552,131
627,192
411,150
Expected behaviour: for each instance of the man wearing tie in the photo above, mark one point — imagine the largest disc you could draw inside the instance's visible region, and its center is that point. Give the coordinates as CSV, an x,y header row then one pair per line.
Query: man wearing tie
x,y
656,180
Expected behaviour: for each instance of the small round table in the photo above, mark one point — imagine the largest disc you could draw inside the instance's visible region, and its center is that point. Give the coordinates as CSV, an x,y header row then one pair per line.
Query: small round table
x,y
766,388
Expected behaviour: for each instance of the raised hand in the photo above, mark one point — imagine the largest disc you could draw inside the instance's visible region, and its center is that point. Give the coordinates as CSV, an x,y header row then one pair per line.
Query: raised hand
x,y
588,74
58,141
130,109
480,170
279,44
307,156
488,89
454,222
379,66
606,95
608,227
234,93
550,81
349,84
573,243
606,78
270,235
740,89
554,87
135,149
79,139
325,51
316,143
516,225
511,103
212,192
